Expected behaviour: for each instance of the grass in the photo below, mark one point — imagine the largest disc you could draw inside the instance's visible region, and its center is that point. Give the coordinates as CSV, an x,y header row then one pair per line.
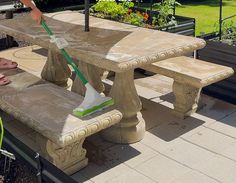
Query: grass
x,y
206,13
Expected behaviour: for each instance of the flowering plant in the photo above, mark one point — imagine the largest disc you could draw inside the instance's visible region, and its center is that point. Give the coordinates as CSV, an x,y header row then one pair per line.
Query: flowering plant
x,y
125,12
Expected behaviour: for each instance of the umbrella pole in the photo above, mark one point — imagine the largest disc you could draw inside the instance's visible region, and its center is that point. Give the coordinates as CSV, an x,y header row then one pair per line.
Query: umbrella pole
x,y
220,20
86,4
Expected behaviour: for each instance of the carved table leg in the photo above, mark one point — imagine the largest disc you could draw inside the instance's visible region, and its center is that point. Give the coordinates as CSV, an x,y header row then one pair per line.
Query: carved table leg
x,y
69,159
56,69
93,74
132,126
186,99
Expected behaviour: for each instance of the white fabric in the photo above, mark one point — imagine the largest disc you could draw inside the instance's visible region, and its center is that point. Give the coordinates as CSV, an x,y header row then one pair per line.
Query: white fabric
x,y
92,98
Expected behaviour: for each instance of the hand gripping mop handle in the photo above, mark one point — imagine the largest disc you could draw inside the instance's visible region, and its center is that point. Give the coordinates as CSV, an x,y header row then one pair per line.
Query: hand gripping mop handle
x,y
68,58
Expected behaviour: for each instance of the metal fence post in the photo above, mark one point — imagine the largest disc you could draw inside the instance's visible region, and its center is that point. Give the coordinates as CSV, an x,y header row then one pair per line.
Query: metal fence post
x,y
39,172
86,4
220,20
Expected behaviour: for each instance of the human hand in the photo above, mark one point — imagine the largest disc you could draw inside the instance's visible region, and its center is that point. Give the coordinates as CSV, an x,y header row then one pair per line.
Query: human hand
x,y
36,15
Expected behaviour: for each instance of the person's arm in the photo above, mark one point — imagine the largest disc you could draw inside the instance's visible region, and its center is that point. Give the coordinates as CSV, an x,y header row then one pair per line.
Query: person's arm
x,y
36,14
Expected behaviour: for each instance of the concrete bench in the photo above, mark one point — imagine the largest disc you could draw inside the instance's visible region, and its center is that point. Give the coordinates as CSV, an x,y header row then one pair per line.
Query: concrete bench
x,y
46,108
190,76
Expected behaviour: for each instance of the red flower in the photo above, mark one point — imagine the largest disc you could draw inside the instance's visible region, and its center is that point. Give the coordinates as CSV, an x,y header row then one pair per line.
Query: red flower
x,y
130,10
145,16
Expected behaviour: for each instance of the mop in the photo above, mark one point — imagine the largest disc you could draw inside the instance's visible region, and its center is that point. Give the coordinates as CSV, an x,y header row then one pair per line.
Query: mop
x,y
4,152
93,101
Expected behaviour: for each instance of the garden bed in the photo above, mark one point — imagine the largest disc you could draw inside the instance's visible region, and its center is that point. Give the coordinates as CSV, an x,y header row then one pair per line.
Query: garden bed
x,y
223,54
162,20
183,26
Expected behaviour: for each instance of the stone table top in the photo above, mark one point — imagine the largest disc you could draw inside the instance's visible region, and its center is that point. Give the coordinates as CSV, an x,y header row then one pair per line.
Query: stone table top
x,y
110,45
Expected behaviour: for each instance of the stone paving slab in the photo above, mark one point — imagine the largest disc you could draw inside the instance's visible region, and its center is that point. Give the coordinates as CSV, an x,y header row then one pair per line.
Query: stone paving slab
x,y
131,176
226,125
220,168
104,173
216,109
132,155
162,169
195,177
187,153
211,140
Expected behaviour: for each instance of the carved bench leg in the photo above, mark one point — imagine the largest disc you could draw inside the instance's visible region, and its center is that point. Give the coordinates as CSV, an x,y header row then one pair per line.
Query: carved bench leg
x,y
70,158
186,99
93,74
132,126
56,69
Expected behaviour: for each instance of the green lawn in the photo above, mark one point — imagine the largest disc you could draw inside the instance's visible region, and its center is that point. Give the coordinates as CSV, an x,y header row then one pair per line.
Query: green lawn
x,y
206,13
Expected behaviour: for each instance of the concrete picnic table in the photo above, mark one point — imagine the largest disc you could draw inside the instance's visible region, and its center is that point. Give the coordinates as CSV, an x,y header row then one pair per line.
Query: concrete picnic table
x,y
111,46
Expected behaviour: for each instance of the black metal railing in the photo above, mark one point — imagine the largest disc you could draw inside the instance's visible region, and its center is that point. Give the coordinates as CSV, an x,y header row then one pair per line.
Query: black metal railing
x,y
45,171
221,19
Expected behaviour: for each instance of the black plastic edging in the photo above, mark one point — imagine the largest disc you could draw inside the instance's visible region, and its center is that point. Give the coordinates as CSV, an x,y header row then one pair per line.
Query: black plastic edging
x,y
223,54
49,172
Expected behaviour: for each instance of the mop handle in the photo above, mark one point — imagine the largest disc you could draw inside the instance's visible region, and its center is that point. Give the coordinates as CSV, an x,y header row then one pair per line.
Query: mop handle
x,y
65,54
2,133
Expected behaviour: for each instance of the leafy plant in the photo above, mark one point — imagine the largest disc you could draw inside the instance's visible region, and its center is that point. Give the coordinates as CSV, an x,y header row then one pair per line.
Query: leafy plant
x,y
124,12
135,19
165,16
228,32
111,8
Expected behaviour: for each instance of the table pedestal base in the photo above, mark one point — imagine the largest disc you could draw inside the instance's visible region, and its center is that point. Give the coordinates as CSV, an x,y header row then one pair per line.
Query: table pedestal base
x,y
132,126
56,69
92,74
125,134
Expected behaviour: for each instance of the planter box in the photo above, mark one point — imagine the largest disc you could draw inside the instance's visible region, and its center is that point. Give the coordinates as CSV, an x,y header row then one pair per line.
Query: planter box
x,y
185,25
222,54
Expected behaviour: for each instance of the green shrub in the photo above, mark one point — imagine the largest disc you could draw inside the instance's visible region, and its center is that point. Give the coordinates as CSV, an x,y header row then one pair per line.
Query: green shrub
x,y
111,8
135,19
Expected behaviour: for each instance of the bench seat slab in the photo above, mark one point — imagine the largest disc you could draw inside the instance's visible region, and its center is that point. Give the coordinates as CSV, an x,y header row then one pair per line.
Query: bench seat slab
x,y
194,72
47,109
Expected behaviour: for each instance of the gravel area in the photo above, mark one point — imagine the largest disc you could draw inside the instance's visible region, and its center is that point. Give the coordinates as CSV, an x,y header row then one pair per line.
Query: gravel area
x,y
17,172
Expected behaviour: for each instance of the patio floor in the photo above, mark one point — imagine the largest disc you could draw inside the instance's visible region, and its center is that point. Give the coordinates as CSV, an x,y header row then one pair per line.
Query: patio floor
x,y
199,149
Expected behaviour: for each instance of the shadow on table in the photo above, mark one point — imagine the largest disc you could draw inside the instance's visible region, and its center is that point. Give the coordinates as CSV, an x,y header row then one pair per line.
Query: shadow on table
x,y
41,51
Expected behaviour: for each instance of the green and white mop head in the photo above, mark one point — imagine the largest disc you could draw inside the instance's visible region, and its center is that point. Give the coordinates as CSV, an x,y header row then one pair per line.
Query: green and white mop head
x,y
93,101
